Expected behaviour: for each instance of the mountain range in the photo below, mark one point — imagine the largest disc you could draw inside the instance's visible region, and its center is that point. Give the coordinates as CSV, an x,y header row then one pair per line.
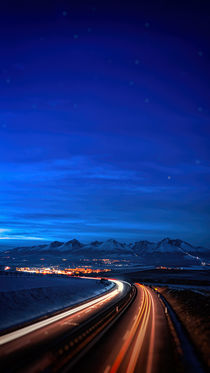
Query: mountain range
x,y
173,252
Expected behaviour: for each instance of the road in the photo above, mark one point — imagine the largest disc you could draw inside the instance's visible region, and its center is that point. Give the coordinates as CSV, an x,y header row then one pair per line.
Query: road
x,y
125,330
139,342
34,347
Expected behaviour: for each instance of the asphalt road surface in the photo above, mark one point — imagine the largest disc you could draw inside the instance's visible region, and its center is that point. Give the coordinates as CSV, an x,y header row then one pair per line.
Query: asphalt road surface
x,y
126,330
139,342
34,347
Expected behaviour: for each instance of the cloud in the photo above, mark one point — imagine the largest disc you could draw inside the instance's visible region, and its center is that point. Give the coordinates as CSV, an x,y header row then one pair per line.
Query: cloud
x,y
3,230
21,237
8,234
74,168
83,196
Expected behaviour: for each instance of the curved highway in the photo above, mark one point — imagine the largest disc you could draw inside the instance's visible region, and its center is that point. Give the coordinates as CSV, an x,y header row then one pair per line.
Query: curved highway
x,y
34,347
139,342
100,300
126,330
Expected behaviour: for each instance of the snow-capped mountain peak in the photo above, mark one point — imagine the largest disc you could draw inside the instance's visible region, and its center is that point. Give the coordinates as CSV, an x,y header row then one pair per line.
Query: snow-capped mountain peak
x,y
165,252
73,243
56,244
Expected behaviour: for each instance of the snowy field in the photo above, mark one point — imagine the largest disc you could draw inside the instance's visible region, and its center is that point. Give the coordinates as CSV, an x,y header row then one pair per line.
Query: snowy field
x,y
23,298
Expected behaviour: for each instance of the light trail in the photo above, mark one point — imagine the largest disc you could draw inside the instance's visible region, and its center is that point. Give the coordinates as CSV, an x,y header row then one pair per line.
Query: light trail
x,y
41,324
152,340
137,335
140,336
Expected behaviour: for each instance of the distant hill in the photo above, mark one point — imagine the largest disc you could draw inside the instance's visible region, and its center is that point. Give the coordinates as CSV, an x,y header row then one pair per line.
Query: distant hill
x,y
167,252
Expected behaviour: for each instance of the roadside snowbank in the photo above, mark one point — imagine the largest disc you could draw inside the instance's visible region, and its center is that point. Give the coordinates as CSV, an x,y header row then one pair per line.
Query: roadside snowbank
x,y
25,298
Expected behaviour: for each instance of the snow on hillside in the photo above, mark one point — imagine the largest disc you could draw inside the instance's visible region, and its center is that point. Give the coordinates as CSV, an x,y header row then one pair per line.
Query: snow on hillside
x,y
167,246
107,248
143,247
23,298
163,252
112,245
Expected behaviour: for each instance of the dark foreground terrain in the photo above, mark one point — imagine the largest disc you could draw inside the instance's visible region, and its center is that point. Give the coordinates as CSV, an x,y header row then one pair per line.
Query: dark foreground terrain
x,y
193,309
171,276
188,292
159,325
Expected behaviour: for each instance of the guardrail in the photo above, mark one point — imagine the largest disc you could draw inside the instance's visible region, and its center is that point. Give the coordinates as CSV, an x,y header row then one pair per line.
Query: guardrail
x,y
60,353
71,350
190,360
54,312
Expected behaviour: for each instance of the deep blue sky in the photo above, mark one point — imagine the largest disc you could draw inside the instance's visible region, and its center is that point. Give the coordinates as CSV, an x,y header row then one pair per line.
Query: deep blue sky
x,y
104,120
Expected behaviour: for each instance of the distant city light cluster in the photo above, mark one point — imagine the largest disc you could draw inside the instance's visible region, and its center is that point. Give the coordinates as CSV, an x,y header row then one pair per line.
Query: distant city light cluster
x,y
66,271
106,261
169,268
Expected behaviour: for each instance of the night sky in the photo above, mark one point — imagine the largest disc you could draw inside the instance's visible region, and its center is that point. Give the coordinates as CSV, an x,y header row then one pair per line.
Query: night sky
x,y
104,120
